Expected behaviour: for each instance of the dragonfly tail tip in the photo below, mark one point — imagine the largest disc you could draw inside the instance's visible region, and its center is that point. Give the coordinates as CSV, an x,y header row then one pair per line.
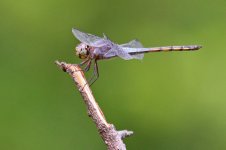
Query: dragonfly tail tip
x,y
199,46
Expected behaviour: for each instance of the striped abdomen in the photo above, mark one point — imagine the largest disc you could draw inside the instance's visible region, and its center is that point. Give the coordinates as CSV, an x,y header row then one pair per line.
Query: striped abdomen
x,y
168,48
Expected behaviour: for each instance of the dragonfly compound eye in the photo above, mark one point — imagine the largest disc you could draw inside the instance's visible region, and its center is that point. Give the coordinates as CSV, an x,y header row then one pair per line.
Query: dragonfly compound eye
x,y
82,53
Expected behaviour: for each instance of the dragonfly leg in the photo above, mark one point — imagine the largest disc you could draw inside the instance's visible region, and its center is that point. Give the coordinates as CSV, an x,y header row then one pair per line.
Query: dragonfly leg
x,y
80,65
88,65
95,74
84,62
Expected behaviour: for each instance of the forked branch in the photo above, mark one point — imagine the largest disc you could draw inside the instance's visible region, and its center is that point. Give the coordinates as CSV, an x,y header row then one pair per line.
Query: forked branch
x,y
111,137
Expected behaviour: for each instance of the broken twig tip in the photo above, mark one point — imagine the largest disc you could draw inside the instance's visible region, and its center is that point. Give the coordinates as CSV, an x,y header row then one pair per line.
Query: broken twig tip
x,y
61,65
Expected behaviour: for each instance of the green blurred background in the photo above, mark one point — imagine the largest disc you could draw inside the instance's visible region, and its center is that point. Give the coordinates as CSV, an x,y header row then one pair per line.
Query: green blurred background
x,y
172,101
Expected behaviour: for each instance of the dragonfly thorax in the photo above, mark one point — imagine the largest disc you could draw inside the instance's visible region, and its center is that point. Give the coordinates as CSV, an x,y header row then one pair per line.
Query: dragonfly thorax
x,y
82,50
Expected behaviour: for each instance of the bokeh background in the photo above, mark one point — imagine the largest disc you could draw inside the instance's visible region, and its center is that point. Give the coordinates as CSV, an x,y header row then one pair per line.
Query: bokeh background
x,y
172,101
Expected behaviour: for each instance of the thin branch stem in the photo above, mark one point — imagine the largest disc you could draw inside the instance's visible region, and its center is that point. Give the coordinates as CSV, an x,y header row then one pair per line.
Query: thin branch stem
x,y
111,137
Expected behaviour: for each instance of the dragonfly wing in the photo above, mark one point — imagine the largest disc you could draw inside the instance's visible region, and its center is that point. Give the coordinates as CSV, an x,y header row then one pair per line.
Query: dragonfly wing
x,y
132,50
116,50
110,53
89,39
138,56
134,44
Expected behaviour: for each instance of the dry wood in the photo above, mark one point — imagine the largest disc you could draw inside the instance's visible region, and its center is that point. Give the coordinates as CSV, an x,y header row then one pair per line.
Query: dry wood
x,y
111,137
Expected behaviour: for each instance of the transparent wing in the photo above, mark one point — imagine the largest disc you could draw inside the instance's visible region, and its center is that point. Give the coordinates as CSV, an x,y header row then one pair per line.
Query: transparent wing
x,y
89,39
132,50
116,50
134,44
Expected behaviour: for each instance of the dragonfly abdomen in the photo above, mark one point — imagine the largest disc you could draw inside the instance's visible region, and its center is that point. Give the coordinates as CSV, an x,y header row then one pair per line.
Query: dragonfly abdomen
x,y
169,48
176,48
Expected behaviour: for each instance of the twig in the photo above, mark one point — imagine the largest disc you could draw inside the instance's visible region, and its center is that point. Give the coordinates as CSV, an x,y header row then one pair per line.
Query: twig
x,y
111,137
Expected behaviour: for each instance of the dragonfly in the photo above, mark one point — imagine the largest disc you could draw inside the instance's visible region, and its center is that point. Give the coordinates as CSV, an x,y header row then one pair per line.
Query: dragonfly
x,y
94,48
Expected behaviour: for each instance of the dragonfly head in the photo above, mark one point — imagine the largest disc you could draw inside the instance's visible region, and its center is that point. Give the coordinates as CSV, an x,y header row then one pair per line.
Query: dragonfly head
x,y
82,51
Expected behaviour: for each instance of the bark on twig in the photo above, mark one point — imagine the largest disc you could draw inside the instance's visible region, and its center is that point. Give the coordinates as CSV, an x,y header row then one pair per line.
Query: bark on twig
x,y
111,137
